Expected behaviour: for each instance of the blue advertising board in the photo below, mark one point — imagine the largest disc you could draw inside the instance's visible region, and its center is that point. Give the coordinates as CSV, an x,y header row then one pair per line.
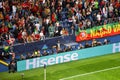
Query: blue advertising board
x,y
67,56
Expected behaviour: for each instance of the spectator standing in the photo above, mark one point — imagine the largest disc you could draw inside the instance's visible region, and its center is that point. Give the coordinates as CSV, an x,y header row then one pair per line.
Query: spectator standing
x,y
105,11
106,41
94,42
14,10
80,46
87,45
24,36
28,56
29,39
72,30
99,18
12,67
1,7
22,57
58,46
51,30
110,7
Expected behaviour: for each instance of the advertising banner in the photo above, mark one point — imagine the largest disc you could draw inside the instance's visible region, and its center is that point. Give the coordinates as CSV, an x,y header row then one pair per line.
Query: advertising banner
x,y
67,56
98,32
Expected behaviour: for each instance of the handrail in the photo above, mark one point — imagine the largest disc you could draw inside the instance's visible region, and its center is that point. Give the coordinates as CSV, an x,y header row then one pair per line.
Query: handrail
x,y
4,63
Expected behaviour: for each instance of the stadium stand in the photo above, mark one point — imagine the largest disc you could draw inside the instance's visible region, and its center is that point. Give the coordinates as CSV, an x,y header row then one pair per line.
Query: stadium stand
x,y
28,25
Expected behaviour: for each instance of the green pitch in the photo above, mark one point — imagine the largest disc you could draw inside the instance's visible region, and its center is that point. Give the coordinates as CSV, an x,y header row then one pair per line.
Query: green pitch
x,y
105,67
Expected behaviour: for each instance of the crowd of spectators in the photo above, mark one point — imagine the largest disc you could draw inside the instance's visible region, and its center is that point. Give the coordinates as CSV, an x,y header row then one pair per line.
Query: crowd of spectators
x,y
34,20
59,48
56,49
25,21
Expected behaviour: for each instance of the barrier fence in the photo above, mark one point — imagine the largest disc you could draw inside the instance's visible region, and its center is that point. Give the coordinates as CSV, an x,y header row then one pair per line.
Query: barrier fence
x,y
67,56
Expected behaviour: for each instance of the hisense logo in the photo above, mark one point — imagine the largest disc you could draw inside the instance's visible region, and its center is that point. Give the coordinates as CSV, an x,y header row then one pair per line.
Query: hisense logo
x,y
116,47
39,62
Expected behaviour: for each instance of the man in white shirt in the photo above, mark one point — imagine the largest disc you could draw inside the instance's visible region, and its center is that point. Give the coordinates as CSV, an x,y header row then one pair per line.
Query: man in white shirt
x,y
105,11
111,8
1,6
14,9
99,18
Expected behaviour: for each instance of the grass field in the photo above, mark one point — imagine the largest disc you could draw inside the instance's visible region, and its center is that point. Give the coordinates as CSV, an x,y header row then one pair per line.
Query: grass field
x,y
105,67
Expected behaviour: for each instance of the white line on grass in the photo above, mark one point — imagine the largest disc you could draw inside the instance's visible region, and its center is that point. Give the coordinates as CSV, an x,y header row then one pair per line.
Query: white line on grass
x,y
90,73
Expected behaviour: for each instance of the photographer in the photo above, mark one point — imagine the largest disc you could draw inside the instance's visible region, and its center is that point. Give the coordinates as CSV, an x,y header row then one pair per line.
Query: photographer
x,y
12,66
